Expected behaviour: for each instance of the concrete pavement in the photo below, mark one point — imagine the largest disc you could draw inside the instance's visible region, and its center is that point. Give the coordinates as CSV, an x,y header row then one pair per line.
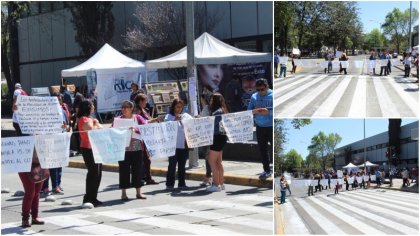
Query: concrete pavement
x,y
236,172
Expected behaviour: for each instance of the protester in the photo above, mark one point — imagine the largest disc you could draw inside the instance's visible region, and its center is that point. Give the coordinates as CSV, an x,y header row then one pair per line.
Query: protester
x,y
372,58
67,97
203,152
405,176
337,187
346,180
388,67
135,91
343,58
378,178
392,173
283,188
141,108
311,187
407,65
283,67
132,165
293,64
384,69
261,104
93,178
75,136
181,153
328,57
217,108
276,62
18,91
318,186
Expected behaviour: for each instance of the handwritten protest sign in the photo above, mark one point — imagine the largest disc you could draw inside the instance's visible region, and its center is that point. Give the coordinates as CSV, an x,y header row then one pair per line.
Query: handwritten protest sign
x,y
373,178
16,154
295,51
53,150
339,173
323,64
39,115
350,180
383,62
124,123
108,145
366,178
335,65
160,138
344,64
288,178
395,61
283,60
238,126
199,132
359,179
371,65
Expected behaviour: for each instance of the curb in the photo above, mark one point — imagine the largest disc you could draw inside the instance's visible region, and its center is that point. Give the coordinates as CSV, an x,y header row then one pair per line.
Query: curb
x,y
190,175
400,189
278,220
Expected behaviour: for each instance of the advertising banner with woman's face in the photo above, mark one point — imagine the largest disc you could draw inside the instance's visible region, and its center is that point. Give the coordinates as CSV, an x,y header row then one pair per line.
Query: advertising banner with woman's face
x,y
236,82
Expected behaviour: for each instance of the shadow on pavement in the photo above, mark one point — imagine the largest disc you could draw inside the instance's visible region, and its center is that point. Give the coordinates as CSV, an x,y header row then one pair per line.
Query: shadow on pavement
x,y
246,191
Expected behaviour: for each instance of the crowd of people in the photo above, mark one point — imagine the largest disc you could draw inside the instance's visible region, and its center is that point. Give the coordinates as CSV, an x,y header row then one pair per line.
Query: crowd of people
x,y
134,170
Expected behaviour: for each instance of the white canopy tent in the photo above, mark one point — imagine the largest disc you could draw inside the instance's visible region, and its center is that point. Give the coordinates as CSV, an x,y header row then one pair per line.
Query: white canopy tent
x,y
349,166
368,164
209,50
107,60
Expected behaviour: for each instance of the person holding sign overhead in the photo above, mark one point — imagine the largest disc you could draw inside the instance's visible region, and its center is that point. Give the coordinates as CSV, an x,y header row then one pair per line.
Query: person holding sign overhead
x,y
133,159
94,174
261,104
217,108
181,153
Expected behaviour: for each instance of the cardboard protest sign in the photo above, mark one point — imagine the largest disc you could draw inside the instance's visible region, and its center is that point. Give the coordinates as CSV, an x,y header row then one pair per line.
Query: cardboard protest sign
x,y
108,145
283,60
199,132
39,115
238,126
53,150
160,138
125,123
16,154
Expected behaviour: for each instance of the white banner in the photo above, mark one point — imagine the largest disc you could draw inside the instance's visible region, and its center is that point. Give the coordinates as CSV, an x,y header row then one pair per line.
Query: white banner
x,y
295,51
350,180
298,62
323,64
373,178
371,65
358,64
199,132
125,123
335,65
113,89
314,182
16,154
238,126
359,179
108,145
288,178
160,138
53,150
338,54
383,62
324,182
339,174
344,64
308,63
366,178
39,115
395,61
283,60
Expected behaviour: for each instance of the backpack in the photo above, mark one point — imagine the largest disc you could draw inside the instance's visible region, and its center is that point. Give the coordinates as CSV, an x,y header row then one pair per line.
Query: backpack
x,y
22,92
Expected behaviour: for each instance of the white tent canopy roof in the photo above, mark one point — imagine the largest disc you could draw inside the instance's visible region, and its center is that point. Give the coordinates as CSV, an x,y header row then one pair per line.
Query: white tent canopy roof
x,y
209,50
368,164
350,165
106,60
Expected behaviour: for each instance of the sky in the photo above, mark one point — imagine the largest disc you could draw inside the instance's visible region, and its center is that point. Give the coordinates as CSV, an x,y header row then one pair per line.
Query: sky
x,y
372,13
350,130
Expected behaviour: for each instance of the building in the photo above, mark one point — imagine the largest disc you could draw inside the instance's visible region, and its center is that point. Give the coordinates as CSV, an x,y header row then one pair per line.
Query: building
x,y
47,39
377,147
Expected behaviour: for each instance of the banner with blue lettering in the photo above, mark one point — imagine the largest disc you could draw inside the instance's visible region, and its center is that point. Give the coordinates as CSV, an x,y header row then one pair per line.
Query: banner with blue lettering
x,y
113,89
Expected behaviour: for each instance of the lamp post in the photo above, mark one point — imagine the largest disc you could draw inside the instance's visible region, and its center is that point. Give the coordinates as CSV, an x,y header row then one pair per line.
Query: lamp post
x,y
364,142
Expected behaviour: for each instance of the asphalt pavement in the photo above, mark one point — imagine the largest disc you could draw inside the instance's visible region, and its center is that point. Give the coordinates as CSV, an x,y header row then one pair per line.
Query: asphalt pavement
x,y
237,210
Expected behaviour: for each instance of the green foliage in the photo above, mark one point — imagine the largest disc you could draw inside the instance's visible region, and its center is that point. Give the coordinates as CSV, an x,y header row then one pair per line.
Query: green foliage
x,y
322,147
292,160
374,39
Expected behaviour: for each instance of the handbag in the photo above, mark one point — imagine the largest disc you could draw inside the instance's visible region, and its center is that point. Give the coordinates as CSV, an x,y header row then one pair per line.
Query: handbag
x,y
38,174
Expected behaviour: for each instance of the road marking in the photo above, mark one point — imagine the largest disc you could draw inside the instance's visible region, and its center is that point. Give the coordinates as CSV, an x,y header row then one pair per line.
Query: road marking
x,y
15,229
327,108
358,104
294,225
293,83
388,108
408,100
234,206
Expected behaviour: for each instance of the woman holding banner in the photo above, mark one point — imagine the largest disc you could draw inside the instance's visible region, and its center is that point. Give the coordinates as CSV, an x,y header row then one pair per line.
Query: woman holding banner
x,y
181,153
94,174
217,108
133,158
141,108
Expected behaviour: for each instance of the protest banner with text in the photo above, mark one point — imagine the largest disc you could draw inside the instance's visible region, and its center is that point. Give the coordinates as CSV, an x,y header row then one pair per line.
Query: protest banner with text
x,y
199,132
16,154
238,126
160,138
108,145
39,115
53,150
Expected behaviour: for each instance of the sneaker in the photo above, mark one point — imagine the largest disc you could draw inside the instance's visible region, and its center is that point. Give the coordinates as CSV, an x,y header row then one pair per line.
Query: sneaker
x,y
213,188
170,188
264,175
185,187
222,187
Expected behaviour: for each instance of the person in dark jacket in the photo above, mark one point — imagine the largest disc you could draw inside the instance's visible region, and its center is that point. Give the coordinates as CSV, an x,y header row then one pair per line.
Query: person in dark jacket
x,y
343,58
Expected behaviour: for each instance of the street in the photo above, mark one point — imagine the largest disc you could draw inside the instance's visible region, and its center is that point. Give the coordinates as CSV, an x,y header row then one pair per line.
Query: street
x,y
370,211
312,93
238,210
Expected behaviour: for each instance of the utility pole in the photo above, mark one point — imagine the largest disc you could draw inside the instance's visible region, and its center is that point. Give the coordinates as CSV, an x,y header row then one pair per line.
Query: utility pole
x,y
191,73
364,141
409,34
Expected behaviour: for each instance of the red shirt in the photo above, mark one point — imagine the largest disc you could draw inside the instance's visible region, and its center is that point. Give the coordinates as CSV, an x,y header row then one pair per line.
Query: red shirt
x,y
84,143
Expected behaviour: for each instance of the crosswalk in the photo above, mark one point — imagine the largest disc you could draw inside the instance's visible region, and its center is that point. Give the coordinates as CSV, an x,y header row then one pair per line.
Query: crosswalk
x,y
356,212
245,214
356,96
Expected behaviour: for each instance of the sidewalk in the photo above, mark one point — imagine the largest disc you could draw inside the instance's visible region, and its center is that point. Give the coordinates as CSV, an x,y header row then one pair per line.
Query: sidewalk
x,y
238,173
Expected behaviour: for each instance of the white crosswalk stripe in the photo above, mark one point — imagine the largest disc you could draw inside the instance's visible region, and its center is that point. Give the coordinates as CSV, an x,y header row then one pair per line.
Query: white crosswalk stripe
x,y
355,212
354,96
252,212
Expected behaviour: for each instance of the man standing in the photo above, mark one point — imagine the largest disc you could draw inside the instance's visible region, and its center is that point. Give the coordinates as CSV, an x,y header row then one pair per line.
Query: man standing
x,y
328,57
276,62
18,91
261,104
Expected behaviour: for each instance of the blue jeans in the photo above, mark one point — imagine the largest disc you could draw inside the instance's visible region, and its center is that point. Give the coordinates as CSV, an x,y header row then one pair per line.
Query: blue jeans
x,y
283,71
55,174
181,156
283,196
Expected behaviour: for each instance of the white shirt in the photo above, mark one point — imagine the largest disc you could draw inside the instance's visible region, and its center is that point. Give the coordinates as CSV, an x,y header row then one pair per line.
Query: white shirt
x,y
16,93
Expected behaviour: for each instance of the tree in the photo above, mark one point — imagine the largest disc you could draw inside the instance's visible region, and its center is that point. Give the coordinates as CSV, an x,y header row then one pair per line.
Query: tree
x,y
323,146
394,147
10,12
293,160
374,39
93,23
397,25
312,161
